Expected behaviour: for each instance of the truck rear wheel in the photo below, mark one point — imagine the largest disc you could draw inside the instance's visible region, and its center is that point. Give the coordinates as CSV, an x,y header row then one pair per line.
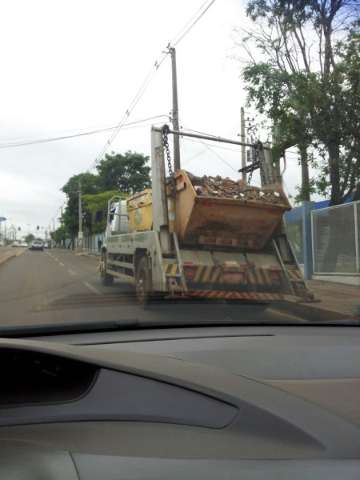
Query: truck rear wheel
x,y
106,279
143,281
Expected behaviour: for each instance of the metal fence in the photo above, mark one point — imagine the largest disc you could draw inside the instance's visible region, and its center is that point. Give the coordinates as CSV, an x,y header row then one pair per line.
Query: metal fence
x,y
294,231
93,243
336,239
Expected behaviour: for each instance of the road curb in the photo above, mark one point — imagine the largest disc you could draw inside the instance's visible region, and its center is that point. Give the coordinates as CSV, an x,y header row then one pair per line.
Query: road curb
x,y
6,258
87,254
311,312
10,255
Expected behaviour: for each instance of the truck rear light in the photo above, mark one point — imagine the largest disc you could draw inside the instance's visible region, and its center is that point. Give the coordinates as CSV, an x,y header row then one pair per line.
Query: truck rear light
x,y
189,270
275,275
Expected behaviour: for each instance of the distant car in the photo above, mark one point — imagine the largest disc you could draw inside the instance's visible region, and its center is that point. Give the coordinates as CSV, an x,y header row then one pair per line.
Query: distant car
x,y
15,244
23,244
37,245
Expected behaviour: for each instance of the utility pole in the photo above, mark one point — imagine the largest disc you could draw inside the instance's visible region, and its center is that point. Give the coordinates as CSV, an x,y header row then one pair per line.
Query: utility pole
x,y
80,234
268,173
175,109
242,136
276,160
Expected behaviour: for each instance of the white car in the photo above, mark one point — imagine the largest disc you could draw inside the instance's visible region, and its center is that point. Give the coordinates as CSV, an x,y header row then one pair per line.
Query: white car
x,y
37,245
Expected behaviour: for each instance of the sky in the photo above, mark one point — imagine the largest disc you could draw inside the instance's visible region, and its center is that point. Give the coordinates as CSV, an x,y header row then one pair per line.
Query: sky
x,y
69,66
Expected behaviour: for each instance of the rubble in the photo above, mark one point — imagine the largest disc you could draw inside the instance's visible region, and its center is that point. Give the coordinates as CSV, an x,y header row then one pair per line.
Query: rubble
x,y
238,190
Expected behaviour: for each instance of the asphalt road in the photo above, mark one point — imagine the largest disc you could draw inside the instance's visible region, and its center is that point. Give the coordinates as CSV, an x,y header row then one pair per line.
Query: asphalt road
x,y
57,286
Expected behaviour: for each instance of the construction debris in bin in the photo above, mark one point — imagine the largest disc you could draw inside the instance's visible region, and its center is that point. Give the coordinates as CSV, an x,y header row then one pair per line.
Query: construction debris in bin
x,y
227,188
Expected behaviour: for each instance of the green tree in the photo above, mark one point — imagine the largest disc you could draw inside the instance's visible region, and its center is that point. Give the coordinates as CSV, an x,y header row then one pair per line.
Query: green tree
x,y
89,183
29,238
59,235
127,173
116,174
95,208
280,96
306,81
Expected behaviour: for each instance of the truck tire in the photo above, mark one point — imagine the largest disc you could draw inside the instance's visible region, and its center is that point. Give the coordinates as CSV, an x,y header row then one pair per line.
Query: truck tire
x,y
143,282
106,279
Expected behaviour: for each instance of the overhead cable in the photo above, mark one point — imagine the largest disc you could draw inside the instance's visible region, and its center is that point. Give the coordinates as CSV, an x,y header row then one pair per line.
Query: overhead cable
x,y
23,143
236,150
192,22
210,148
155,67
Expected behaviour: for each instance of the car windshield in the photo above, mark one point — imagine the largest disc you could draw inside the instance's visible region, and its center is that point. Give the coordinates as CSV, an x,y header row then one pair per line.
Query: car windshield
x,y
179,163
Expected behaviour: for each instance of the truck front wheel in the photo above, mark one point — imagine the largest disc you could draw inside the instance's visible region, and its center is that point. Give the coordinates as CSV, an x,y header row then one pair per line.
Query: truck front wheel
x,y
106,279
143,281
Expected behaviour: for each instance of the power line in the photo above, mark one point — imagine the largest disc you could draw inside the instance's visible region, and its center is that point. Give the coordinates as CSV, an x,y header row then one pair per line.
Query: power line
x,y
189,160
213,146
180,36
131,107
218,155
201,133
289,151
198,15
186,25
136,123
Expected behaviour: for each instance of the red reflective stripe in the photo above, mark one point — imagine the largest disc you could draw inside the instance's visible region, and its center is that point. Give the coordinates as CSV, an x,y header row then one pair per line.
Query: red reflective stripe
x,y
260,296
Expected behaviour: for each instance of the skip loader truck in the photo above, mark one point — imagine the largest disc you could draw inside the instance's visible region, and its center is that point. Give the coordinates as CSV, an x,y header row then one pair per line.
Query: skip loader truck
x,y
202,237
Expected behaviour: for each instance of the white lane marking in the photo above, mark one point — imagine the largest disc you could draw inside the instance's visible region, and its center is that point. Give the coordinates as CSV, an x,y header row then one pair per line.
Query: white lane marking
x,y
285,314
92,288
71,271
56,259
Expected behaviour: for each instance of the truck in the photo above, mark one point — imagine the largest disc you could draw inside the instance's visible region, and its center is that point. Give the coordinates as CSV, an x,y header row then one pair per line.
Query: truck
x,y
202,237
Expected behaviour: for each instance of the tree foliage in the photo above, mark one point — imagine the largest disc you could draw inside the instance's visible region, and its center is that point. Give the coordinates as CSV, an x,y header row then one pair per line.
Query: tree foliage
x,y
127,173
29,238
87,182
119,174
95,210
306,80
59,235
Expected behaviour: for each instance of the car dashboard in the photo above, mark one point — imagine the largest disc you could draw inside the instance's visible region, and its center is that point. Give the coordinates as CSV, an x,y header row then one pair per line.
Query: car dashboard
x,y
202,402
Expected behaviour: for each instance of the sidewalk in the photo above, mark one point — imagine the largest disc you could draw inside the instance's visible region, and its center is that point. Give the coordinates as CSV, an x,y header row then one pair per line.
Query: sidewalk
x,y
84,252
336,297
8,252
